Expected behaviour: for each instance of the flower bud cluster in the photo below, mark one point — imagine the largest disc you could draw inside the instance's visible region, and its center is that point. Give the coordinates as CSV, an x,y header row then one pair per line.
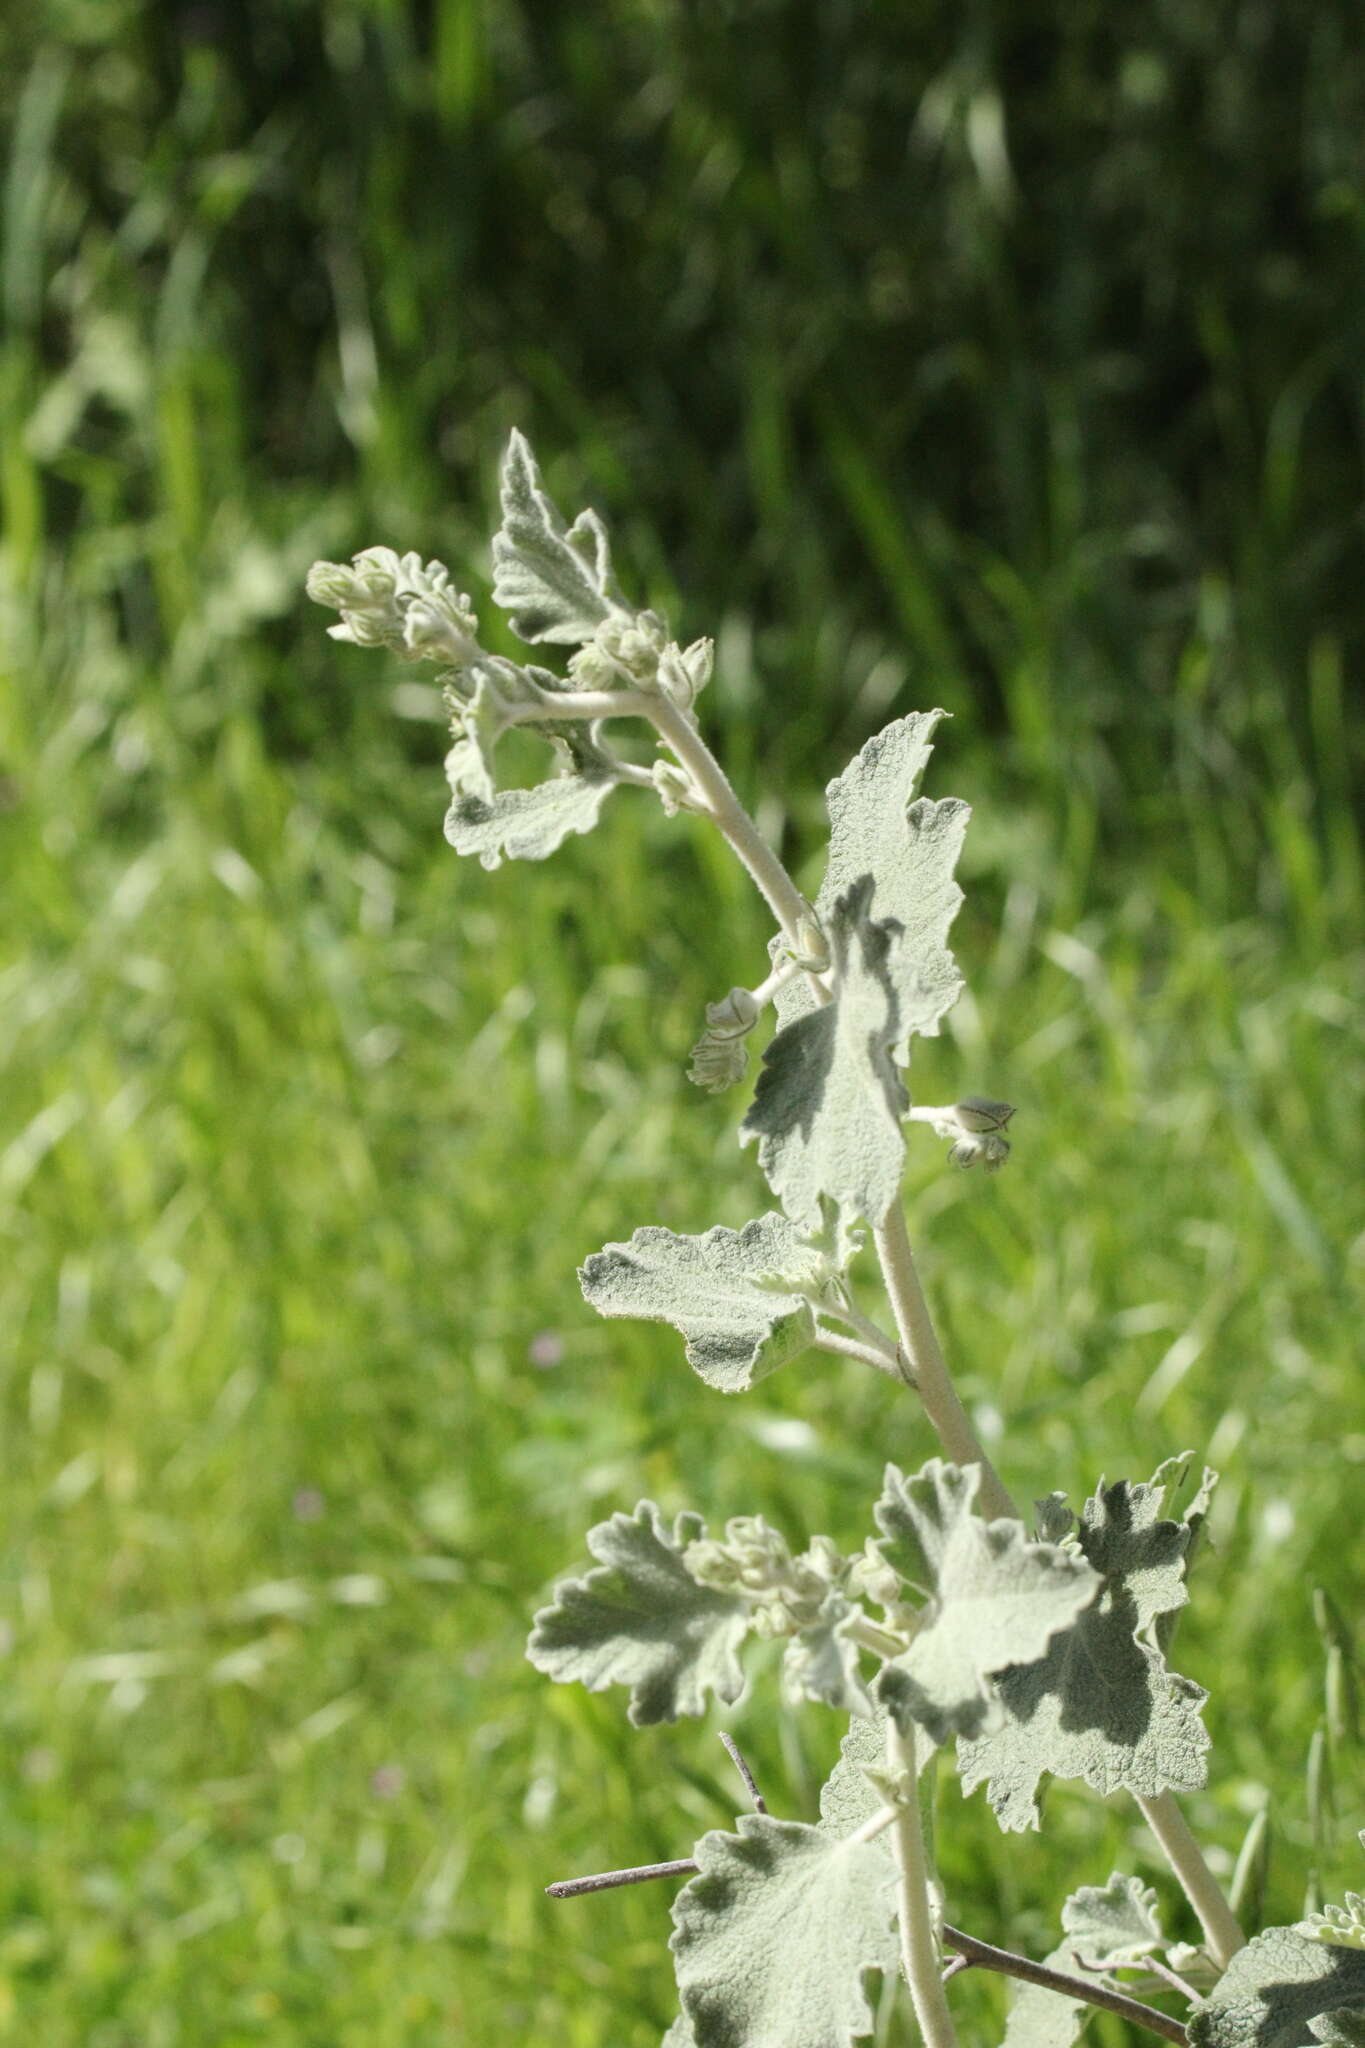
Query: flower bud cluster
x,y
786,1594
635,653
976,1126
399,602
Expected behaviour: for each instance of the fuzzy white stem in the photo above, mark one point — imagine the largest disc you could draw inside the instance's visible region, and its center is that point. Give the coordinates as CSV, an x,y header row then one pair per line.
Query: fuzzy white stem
x,y
679,732
932,1380
919,1950
849,1347
1201,1887
564,707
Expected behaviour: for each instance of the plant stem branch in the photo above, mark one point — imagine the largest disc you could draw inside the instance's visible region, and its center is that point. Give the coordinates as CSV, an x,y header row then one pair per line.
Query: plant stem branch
x,y
983,1956
732,1750
1201,1887
932,1380
679,732
571,707
919,1951
849,1347
608,1880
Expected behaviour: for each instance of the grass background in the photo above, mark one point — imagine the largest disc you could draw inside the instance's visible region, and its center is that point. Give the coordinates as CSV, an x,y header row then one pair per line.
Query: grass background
x,y
1005,357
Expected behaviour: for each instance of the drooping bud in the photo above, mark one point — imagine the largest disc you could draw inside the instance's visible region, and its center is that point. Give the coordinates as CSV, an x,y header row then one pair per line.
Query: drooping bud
x,y
720,1056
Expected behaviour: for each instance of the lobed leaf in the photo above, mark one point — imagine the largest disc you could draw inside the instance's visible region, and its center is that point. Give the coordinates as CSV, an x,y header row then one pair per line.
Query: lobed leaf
x,y
639,1619
995,1598
910,848
1107,1925
716,1290
1284,1991
827,1110
525,824
1113,1924
556,581
775,1935
1101,1705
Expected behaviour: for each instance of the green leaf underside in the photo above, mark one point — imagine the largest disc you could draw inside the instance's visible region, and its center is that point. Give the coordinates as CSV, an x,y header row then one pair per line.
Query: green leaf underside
x,y
1101,1704
1284,1991
556,581
996,1598
827,1110
526,824
773,1938
1107,1924
638,1619
737,1331
910,848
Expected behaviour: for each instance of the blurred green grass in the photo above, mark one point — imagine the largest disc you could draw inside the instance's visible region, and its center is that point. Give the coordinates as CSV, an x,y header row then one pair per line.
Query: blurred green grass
x,y
305,1124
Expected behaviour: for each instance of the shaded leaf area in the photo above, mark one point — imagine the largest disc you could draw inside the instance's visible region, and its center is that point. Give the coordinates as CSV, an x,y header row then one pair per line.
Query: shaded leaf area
x,y
910,849
774,1937
828,1106
995,1597
555,580
1102,1705
721,1291
527,824
640,1620
1283,1991
1107,1924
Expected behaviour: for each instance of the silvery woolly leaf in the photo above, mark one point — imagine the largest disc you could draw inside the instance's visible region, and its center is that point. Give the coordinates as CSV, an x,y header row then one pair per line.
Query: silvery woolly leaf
x,y
1046,2019
827,1110
481,723
995,1598
1107,1924
850,1796
556,581
1113,1924
526,824
640,1620
680,2034
822,1664
774,1936
910,848
1102,1705
1283,1991
715,1290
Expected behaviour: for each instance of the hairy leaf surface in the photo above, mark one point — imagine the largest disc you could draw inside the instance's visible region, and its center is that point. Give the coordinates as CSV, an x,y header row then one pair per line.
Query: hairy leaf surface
x,y
717,1290
1284,1991
526,824
556,581
827,1110
774,1936
822,1664
1101,1704
1107,1924
1113,1923
640,1620
910,848
995,1597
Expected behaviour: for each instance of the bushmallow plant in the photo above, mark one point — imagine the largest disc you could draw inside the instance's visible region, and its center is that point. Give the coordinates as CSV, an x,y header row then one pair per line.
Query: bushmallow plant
x,y
1029,1645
